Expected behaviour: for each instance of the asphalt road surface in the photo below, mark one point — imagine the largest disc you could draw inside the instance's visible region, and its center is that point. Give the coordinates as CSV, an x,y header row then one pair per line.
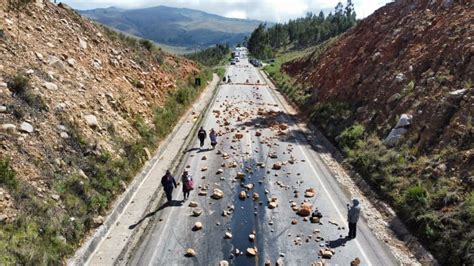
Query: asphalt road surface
x,y
247,106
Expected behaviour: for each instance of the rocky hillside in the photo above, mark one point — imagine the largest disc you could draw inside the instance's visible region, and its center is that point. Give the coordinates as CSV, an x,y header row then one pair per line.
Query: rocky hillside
x,y
81,108
396,95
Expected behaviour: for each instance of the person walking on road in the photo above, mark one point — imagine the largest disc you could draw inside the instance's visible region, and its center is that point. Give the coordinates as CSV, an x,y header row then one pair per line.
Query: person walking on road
x,y
353,213
188,184
168,182
202,136
213,137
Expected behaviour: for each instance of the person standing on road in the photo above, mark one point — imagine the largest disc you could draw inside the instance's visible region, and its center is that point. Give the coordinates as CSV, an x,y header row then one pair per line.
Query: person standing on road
x,y
168,182
353,213
188,184
202,136
213,137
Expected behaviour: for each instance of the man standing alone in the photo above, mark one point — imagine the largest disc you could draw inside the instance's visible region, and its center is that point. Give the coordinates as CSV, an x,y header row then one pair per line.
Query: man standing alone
x,y
352,217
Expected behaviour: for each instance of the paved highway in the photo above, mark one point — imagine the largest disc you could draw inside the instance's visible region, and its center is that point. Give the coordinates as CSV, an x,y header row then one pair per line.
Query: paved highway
x,y
247,106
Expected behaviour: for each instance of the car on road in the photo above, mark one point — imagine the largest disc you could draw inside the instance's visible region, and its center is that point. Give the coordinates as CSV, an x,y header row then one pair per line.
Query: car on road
x,y
232,62
255,62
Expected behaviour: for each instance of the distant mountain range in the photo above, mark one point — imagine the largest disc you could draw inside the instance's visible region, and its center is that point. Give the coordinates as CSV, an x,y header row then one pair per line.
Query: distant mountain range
x,y
175,26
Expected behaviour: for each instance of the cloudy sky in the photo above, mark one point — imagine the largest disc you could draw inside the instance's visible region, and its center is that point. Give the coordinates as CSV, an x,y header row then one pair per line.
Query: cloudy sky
x,y
265,10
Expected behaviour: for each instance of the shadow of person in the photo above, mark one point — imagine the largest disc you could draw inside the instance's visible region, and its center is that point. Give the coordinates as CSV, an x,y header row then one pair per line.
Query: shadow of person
x,y
173,203
203,150
338,242
191,149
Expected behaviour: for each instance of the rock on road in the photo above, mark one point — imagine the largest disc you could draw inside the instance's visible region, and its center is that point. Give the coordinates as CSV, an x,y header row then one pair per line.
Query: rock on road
x,y
256,138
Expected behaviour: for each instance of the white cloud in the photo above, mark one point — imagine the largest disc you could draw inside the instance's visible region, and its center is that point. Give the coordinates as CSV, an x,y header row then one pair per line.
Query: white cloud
x,y
265,10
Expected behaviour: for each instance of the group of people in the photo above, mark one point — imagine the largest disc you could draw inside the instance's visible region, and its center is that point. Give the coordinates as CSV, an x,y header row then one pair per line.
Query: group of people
x,y
169,183
202,134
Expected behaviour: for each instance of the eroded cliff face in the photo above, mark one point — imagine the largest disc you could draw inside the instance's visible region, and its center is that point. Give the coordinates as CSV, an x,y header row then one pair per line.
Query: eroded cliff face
x,y
75,99
414,58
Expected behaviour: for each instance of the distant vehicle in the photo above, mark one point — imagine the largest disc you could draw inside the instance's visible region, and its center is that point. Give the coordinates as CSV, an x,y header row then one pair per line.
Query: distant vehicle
x,y
255,62
232,62
237,59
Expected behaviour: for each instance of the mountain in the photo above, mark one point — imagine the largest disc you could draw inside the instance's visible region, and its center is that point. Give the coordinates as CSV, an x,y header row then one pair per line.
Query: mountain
x,y
395,93
80,113
175,26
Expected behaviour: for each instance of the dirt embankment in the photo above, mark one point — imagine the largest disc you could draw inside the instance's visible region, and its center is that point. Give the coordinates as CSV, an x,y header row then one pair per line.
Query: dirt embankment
x,y
74,100
413,58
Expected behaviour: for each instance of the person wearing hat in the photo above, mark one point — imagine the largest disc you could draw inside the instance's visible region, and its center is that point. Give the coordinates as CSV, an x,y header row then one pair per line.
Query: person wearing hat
x,y
353,213
188,184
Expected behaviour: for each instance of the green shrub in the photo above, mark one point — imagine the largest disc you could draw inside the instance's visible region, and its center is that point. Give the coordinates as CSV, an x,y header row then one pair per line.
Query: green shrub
x,y
349,137
416,196
147,44
19,84
7,175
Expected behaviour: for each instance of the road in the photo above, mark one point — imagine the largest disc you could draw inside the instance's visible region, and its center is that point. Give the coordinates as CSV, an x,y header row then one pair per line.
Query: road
x,y
247,106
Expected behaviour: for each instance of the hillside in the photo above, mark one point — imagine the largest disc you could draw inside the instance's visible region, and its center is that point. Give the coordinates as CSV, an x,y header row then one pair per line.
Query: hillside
x,y
81,109
175,26
411,64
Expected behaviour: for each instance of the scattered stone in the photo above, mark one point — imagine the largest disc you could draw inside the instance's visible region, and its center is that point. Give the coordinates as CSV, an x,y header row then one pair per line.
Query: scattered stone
x,y
190,252
255,196
197,212
98,220
305,209
294,222
91,120
26,127
197,226
55,197
252,237
277,166
223,263
356,262
217,194
326,253
228,235
50,86
219,171
82,43
204,158
193,204
252,251
310,192
9,128
243,195
203,169
64,135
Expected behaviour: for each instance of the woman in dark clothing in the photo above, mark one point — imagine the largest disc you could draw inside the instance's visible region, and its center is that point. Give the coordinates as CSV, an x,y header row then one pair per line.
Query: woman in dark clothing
x,y
168,182
202,136
188,184
213,137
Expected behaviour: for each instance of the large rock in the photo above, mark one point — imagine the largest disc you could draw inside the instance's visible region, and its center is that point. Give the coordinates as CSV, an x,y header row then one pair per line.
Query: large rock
x,y
305,209
98,220
217,194
91,120
399,130
3,109
26,127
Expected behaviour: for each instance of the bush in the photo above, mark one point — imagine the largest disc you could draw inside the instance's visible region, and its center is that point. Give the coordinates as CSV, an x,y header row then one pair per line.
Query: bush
x,y
349,137
7,175
147,44
19,84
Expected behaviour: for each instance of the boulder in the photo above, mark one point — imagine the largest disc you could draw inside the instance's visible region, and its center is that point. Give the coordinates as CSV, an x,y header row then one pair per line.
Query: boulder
x,y
252,251
239,135
26,127
240,175
3,109
91,120
242,195
223,263
217,194
98,220
197,212
190,252
228,235
310,192
193,204
399,130
277,166
197,226
326,253
355,262
305,209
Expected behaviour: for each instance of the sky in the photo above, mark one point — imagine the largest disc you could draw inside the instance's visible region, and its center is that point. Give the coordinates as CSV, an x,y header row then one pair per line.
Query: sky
x,y
264,10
